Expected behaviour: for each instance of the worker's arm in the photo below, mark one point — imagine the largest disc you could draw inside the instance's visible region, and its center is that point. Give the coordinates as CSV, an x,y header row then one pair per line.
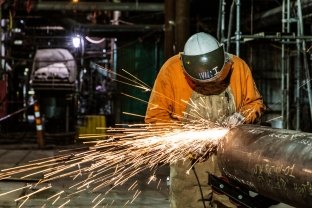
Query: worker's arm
x,y
248,99
160,105
170,94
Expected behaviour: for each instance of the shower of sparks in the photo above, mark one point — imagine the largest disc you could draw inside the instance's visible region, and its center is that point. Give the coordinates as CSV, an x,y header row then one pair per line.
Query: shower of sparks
x,y
119,156
109,161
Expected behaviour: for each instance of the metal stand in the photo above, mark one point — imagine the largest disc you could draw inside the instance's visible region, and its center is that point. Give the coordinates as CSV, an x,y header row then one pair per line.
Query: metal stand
x,y
239,195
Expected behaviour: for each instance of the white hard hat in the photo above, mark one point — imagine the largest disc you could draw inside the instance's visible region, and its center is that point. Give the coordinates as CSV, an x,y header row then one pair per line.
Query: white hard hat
x,y
203,57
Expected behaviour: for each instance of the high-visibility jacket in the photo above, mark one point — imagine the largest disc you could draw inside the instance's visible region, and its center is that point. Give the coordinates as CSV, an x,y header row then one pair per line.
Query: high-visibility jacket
x,y
172,91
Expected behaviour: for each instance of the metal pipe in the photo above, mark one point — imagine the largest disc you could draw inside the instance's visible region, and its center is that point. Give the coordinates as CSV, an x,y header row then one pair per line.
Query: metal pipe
x,y
91,6
238,32
223,21
275,163
113,42
277,36
298,84
228,45
109,30
298,70
219,20
285,65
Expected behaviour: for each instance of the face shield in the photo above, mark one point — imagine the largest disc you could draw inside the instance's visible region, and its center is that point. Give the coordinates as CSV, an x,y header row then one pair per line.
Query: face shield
x,y
204,67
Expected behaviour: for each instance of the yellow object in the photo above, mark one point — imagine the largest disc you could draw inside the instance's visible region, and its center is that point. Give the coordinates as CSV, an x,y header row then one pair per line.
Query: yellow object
x,y
92,125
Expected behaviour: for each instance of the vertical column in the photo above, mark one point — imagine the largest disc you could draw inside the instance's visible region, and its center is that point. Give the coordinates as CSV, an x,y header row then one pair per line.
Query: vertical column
x,y
285,109
39,125
182,22
169,28
238,32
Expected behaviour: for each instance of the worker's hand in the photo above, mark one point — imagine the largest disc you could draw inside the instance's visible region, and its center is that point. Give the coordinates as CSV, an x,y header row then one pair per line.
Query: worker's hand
x,y
234,120
202,154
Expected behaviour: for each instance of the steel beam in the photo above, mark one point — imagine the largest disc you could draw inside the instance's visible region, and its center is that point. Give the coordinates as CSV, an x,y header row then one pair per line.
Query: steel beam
x,y
91,6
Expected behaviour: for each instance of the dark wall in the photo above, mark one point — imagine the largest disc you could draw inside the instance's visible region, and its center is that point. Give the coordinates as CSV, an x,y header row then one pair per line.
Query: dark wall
x,y
141,58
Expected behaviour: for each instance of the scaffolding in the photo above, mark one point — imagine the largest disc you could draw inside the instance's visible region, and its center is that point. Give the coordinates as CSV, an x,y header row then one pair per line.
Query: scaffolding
x,y
286,37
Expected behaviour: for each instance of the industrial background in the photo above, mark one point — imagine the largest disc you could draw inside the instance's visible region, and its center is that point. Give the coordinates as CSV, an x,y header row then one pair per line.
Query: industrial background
x,y
136,37
66,66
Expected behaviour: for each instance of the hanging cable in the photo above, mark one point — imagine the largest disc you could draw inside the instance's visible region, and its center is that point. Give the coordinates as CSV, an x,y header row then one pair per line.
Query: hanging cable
x,y
200,188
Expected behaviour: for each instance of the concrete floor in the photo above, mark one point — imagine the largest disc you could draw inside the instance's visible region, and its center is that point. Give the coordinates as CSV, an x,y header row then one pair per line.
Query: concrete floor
x,y
153,195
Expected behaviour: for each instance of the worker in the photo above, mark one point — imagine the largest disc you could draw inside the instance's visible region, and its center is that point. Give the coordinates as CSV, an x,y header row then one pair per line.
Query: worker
x,y
222,88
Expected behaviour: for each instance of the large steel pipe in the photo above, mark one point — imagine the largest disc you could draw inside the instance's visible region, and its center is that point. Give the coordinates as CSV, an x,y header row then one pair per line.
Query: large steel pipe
x,y
275,163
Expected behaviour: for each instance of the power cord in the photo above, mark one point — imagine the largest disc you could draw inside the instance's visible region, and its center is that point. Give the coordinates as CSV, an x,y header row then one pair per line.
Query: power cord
x,y
200,188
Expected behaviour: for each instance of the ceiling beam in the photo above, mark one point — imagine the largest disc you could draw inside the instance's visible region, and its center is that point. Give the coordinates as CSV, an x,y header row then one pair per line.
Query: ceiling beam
x,y
90,6
108,30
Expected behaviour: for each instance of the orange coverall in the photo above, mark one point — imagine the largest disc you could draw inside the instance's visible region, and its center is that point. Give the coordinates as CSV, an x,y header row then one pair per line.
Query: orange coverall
x,y
170,98
171,92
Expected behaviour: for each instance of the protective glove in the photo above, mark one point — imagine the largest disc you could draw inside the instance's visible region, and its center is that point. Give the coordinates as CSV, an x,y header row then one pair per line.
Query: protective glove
x,y
234,120
202,154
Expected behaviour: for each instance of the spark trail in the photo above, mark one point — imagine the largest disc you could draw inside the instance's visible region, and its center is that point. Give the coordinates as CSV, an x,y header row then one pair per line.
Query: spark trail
x,y
122,154
117,157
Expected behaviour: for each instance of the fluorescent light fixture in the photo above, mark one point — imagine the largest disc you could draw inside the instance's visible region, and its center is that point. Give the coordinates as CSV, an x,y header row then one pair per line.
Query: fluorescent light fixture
x,y
18,42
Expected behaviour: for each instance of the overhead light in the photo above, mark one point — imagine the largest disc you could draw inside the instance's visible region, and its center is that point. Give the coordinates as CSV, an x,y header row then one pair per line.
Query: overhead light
x,y
76,41
18,42
75,1
16,30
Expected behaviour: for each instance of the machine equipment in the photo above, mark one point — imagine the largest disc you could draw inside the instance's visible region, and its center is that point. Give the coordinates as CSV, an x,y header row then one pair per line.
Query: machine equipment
x,y
54,80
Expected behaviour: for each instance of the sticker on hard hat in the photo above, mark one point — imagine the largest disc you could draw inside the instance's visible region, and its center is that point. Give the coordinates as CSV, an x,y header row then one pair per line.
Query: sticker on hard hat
x,y
208,74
